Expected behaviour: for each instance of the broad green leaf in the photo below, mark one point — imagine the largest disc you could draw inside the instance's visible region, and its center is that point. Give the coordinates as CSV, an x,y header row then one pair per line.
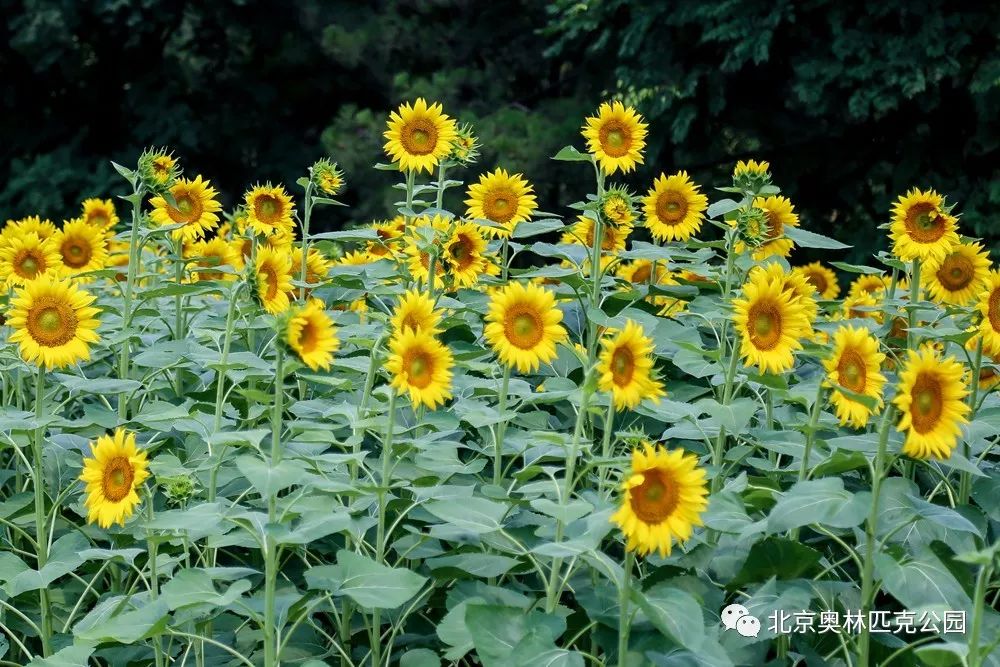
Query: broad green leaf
x,y
474,515
267,479
124,628
821,501
571,154
807,239
420,657
77,655
370,584
535,227
674,612
476,564
920,580
189,587
776,557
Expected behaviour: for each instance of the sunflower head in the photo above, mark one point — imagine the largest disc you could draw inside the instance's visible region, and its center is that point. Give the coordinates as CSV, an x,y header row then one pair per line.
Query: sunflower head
x,y
751,176
420,365
625,367
464,254
465,150
617,206
988,305
195,208
327,177
158,170
922,226
419,136
54,322
764,230
272,278
25,257
822,278
931,400
100,213
664,496
616,137
43,229
113,475
317,266
854,365
523,326
674,207
501,198
959,276
82,247
310,333
208,255
416,310
269,210
771,323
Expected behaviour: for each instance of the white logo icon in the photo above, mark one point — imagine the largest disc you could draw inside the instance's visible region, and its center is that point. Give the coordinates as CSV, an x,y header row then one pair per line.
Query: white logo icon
x,y
737,617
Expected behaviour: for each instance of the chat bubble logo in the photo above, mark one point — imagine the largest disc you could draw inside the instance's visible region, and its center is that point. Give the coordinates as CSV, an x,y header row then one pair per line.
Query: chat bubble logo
x,y
731,614
748,626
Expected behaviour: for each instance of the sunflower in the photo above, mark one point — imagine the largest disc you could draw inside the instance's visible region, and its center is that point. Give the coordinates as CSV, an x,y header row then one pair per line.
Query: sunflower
x,y
780,213
625,368
930,396
862,306
751,169
26,257
100,213
665,495
989,308
43,229
869,283
354,258
421,366
311,334
822,278
959,277
53,322
418,263
771,323
502,198
327,177
81,247
419,136
675,208
523,326
196,209
613,237
616,207
854,365
163,167
113,476
640,271
317,266
417,311
269,210
921,227
211,254
388,232
273,271
801,290
616,137
464,254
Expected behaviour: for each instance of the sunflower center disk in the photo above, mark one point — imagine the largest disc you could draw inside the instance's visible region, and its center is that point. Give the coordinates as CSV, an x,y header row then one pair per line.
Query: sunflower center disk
x,y
499,206
927,404
418,370
851,371
29,267
956,272
817,281
419,137
615,139
307,338
993,312
51,323
656,498
765,326
117,480
622,367
671,208
924,223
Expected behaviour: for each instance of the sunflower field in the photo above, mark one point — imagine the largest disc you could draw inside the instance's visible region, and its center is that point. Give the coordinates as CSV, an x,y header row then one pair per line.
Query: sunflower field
x,y
632,433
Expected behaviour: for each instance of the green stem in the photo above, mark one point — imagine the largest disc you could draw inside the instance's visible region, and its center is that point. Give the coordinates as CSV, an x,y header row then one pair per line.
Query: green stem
x,y
911,319
965,485
982,582
440,184
624,621
306,216
271,547
504,251
727,396
133,261
41,531
411,177
154,579
810,439
868,564
380,537
179,308
501,427
609,425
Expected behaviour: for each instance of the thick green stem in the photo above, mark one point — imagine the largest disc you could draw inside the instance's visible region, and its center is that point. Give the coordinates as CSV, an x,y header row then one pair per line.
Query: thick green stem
x,y
179,333
152,547
911,336
306,217
978,602
41,530
501,427
624,617
871,544
440,184
131,270
965,484
271,547
817,407
504,252
609,425
720,442
380,537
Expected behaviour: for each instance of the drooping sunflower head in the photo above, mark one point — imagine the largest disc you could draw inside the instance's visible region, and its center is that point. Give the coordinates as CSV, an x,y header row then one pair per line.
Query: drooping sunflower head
x,y
54,322
822,278
421,366
524,326
100,213
25,257
327,177
273,278
81,247
195,208
675,208
617,207
465,254
113,475
854,365
317,266
922,226
269,210
211,254
989,308
664,496
311,335
625,367
778,213
616,137
502,198
416,310
419,136
959,276
931,399
751,175
770,322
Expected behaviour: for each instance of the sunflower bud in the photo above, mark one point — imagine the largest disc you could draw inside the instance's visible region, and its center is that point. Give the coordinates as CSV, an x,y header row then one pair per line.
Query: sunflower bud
x,y
465,148
617,207
327,177
178,489
751,176
753,226
158,170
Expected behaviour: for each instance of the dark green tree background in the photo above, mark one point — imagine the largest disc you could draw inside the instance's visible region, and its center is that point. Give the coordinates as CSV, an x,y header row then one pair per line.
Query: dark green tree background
x,y
851,102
